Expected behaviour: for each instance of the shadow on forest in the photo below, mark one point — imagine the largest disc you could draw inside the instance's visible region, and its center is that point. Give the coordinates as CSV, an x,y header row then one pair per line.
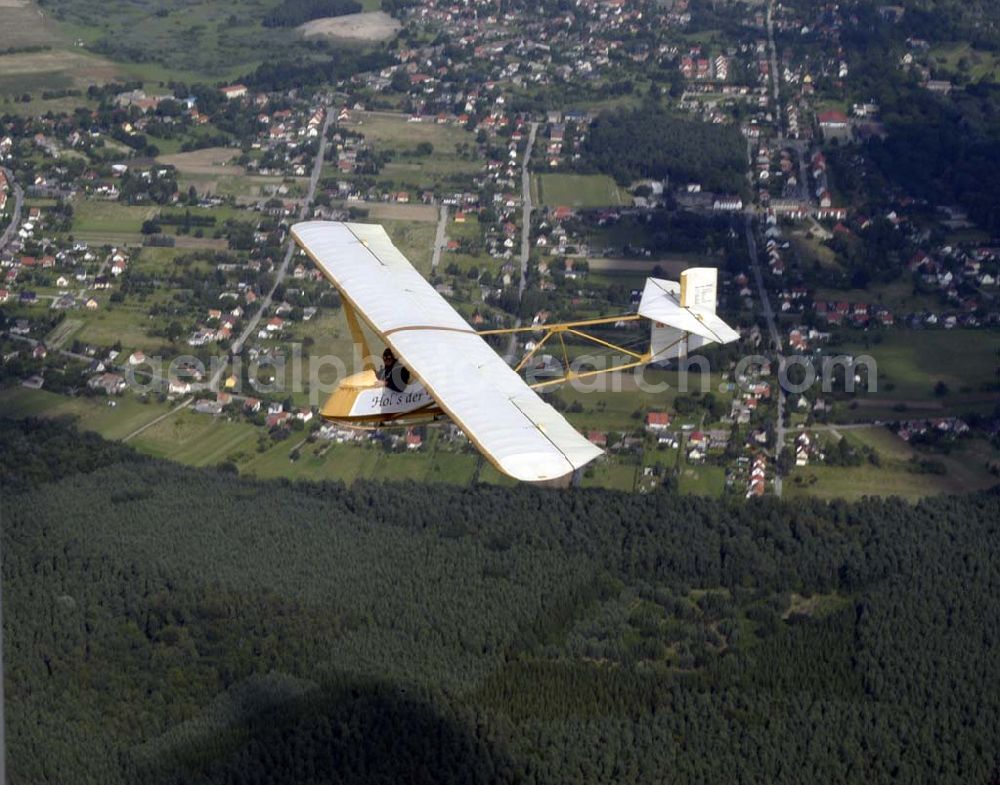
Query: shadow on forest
x,y
371,733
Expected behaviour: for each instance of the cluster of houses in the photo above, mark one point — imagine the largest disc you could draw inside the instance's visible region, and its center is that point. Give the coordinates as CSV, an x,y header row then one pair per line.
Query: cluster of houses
x,y
58,267
945,426
701,67
565,132
757,481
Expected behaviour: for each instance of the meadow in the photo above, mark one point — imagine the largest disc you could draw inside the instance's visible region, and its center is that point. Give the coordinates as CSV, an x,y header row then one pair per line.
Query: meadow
x,y
580,191
965,470
912,362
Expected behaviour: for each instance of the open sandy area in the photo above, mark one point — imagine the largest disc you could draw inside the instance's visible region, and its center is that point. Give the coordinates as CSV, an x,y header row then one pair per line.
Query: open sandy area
x,y
370,26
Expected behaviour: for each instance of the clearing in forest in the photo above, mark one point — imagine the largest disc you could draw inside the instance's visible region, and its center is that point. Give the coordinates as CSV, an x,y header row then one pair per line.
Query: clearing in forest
x,y
371,26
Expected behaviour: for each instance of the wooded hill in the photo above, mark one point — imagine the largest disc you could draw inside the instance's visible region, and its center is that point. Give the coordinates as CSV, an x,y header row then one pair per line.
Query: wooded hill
x,y
171,625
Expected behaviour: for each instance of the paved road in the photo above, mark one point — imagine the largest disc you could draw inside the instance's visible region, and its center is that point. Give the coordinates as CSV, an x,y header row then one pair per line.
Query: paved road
x,y
775,75
526,209
265,302
15,220
439,238
775,340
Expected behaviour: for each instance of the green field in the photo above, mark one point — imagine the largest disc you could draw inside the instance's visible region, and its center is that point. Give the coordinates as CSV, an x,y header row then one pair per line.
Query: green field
x,y
452,161
623,408
123,322
612,474
174,39
963,58
91,414
897,296
966,470
196,439
415,239
92,217
702,480
394,132
579,191
910,364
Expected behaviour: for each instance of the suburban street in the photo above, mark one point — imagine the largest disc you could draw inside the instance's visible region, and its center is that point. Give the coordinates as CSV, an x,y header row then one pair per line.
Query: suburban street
x,y
265,301
775,340
15,220
779,117
526,210
439,237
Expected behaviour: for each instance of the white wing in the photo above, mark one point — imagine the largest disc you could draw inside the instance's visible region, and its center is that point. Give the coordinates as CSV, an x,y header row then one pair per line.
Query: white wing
x,y
519,433
661,303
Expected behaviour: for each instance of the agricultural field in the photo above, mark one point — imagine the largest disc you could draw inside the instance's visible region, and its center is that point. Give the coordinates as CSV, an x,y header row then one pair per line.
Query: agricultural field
x,y
195,439
208,160
381,211
53,69
579,191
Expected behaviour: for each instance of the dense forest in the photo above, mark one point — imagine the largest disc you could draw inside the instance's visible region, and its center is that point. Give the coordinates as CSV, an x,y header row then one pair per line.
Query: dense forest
x,y
284,74
650,142
292,13
171,625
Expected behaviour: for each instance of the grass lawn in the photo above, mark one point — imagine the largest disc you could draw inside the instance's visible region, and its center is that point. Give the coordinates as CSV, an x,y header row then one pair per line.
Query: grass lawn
x,y
702,480
579,190
611,474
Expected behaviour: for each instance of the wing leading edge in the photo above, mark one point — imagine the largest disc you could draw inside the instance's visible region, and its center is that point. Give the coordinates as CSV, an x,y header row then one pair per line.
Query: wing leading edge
x,y
518,432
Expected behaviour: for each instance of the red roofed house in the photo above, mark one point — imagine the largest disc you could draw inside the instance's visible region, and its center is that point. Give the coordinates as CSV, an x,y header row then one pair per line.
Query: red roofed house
x,y
657,421
234,91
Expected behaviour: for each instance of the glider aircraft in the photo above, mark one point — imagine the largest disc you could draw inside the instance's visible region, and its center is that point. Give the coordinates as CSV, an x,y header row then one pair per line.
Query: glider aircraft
x,y
457,375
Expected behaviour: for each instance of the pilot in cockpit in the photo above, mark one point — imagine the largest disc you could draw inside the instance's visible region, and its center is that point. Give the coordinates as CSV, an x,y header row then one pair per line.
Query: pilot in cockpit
x,y
395,376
